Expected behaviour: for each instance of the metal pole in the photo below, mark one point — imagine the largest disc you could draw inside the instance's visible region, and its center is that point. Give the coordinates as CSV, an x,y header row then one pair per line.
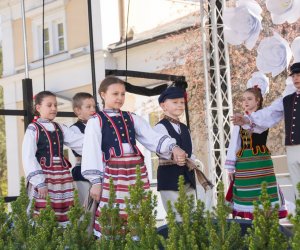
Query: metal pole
x,y
24,39
211,162
217,82
90,19
27,82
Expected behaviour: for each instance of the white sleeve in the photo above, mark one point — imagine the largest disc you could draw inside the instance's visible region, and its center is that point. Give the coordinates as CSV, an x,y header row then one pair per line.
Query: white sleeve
x,y
158,142
75,129
72,140
269,116
92,166
233,148
160,128
33,171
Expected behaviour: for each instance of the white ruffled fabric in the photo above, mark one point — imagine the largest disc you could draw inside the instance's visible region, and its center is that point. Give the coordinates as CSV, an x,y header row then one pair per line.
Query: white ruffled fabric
x,y
289,87
242,24
259,79
284,10
273,55
295,47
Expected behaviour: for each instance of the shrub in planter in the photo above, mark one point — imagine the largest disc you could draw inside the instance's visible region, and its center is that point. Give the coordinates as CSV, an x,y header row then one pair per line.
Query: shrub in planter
x,y
141,223
295,242
113,226
75,235
221,234
190,232
265,234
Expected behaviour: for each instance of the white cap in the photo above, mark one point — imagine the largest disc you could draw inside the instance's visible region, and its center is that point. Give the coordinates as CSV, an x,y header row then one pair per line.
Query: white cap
x,y
243,23
273,55
284,10
260,80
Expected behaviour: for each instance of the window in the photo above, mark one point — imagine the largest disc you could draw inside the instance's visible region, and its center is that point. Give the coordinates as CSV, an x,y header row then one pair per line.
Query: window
x,y
54,36
46,42
154,118
60,37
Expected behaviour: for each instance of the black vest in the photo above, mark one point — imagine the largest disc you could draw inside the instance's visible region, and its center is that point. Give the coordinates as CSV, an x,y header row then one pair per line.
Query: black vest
x,y
81,126
291,104
50,144
167,176
115,131
76,171
252,140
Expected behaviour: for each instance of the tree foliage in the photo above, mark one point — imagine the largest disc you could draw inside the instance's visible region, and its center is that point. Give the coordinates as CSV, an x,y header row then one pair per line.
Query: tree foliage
x,y
3,165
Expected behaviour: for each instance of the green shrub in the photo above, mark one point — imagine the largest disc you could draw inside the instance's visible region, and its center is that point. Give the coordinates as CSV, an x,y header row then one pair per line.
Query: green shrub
x,y
295,242
265,234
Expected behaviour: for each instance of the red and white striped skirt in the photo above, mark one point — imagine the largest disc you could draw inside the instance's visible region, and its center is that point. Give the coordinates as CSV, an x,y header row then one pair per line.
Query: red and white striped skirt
x,y
60,190
123,172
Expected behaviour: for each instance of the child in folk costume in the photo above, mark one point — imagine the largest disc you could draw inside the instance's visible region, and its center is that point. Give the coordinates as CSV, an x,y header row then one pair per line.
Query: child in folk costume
x,y
46,169
287,108
84,107
110,148
249,163
173,104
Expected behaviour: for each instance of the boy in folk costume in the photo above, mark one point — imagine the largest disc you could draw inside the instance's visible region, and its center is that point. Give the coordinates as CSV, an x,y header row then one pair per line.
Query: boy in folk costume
x,y
173,104
110,149
84,107
287,107
47,171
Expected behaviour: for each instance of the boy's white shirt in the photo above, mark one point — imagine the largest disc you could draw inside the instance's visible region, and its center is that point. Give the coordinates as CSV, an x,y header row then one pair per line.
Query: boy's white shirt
x,y
32,168
75,129
92,164
162,129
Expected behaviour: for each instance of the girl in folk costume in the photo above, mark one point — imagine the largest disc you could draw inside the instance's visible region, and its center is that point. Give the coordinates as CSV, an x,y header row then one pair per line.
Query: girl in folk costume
x,y
46,169
110,150
249,163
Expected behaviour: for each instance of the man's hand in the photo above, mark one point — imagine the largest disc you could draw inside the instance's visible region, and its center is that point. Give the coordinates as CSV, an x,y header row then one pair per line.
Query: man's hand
x,y
179,156
96,191
239,119
42,192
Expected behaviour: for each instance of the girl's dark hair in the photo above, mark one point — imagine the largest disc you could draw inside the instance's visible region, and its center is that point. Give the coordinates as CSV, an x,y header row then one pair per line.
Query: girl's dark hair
x,y
257,94
39,97
109,80
79,98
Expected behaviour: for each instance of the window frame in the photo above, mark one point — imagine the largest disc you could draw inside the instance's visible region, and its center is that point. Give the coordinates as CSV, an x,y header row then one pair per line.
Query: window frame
x,y
51,22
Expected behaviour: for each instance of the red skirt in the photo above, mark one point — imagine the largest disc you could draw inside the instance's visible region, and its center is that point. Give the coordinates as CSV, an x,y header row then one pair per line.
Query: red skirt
x,y
123,172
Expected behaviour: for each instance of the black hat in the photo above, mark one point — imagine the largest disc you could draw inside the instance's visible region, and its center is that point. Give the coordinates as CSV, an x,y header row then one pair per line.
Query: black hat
x,y
295,68
171,93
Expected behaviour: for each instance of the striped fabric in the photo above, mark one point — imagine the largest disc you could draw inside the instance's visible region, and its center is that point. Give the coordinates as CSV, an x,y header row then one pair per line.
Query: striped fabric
x,y
252,169
60,190
123,172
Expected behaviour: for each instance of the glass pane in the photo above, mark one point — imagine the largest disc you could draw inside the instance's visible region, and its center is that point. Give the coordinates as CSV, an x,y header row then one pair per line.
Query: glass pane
x,y
61,44
60,29
46,34
47,48
154,162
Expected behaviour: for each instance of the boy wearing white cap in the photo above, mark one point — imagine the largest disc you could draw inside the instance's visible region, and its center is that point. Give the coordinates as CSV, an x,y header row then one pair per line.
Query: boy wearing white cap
x,y
287,107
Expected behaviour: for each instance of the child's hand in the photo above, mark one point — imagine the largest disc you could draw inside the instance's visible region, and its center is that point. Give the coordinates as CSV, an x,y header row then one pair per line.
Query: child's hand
x,y
239,119
42,192
95,192
179,156
230,177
